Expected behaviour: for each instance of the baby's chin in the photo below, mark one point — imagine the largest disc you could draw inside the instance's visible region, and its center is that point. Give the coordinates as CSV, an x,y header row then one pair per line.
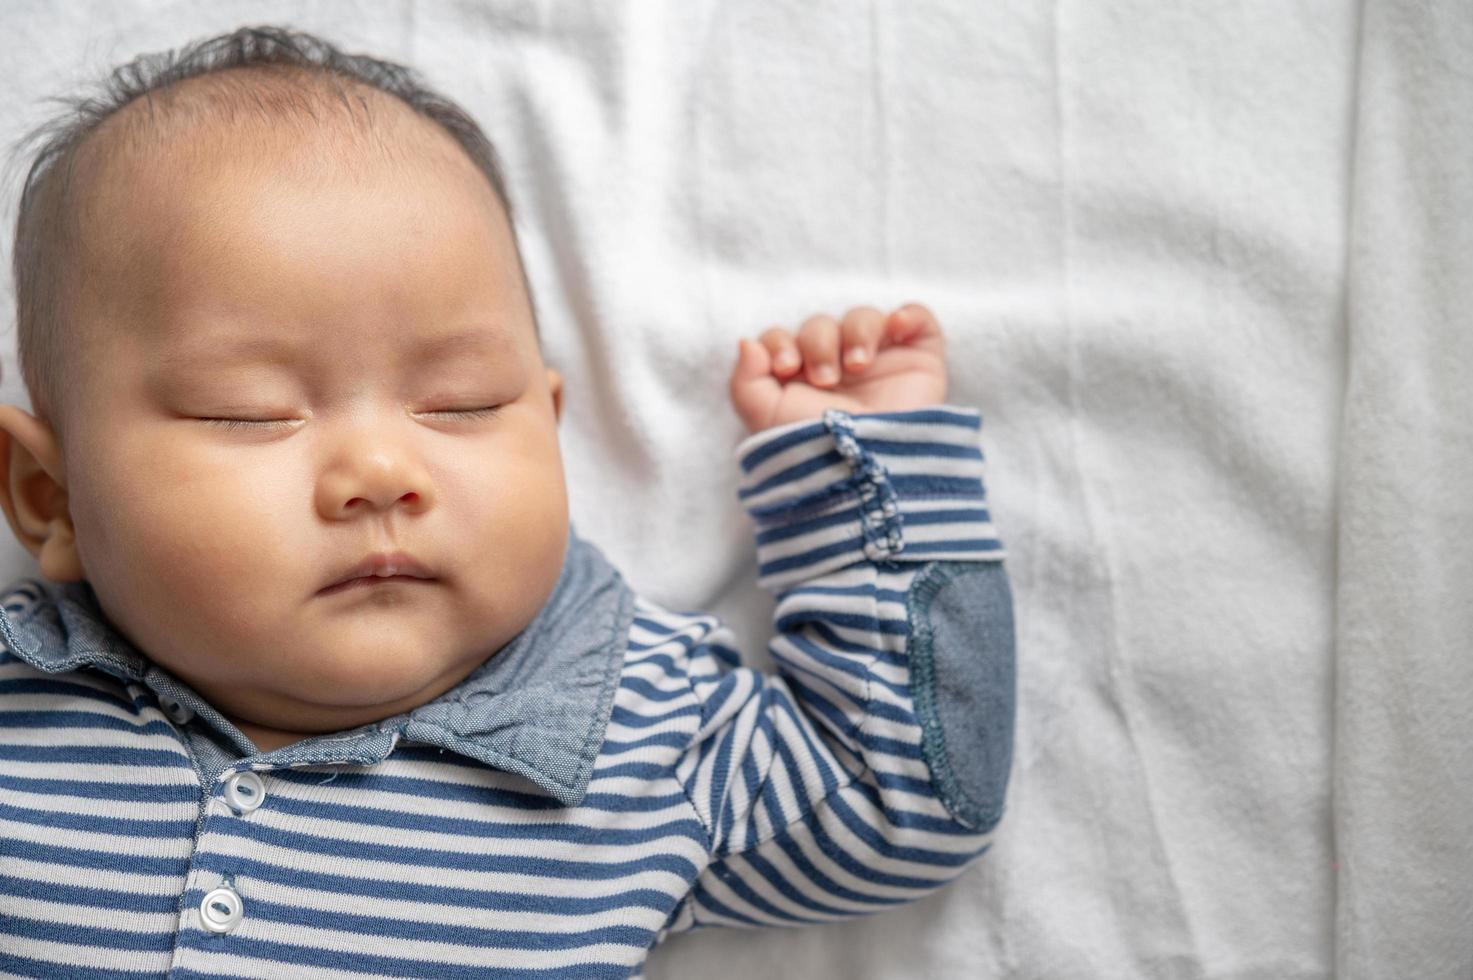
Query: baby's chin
x,y
363,678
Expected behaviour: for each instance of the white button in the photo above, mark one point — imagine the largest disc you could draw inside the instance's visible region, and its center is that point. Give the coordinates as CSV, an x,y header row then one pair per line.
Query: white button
x,y
175,710
221,909
244,791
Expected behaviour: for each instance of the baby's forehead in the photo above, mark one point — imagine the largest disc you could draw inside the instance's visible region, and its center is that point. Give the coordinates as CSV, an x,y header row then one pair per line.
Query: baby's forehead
x,y
156,182
313,124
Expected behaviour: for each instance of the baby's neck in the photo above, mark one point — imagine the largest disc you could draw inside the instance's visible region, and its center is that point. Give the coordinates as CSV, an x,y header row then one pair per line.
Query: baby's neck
x,y
266,739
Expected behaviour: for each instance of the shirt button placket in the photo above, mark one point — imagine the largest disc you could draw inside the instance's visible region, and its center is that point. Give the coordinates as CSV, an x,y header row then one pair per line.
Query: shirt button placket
x,y
222,909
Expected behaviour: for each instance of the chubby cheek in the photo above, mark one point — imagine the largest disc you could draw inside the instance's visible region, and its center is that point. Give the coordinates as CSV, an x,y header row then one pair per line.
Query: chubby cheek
x,y
516,530
185,552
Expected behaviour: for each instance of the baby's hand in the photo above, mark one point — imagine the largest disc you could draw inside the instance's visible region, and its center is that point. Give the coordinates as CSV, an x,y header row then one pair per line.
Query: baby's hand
x,y
890,363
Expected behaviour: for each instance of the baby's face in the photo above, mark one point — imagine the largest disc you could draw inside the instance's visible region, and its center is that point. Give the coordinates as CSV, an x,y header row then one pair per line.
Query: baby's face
x,y
345,321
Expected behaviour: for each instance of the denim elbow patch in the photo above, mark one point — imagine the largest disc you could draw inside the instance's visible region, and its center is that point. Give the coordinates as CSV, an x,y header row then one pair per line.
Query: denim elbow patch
x,y
962,665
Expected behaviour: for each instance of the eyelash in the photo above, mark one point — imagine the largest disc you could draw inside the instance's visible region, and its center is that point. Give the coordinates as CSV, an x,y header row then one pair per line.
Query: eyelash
x,y
469,413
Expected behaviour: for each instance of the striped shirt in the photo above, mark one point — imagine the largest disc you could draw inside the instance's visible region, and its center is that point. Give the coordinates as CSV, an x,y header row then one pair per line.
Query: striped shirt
x,y
611,777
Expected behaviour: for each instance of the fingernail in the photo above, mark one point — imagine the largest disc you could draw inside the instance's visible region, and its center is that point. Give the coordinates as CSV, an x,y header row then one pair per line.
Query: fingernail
x,y
825,375
856,355
786,359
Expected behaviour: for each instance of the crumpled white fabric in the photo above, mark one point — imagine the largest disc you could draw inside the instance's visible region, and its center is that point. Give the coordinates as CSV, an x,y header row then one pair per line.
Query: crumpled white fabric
x,y
1404,710
1204,267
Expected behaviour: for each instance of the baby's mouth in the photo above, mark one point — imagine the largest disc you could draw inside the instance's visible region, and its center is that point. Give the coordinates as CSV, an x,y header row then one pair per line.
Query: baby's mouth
x,y
395,569
372,581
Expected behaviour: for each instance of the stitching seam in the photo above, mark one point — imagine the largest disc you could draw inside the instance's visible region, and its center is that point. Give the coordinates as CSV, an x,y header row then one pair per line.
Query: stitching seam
x,y
928,583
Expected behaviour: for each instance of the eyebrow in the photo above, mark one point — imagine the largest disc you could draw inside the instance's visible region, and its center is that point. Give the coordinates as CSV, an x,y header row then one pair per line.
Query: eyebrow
x,y
277,351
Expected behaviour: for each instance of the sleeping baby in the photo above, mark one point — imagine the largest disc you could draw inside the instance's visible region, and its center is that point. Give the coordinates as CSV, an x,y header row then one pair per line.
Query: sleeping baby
x,y
317,679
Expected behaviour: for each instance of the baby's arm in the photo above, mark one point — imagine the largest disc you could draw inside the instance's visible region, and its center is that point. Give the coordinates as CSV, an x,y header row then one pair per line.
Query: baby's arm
x,y
873,767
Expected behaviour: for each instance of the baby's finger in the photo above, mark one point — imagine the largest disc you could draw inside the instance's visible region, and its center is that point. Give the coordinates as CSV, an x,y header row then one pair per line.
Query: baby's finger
x,y
752,387
860,333
783,350
911,324
818,339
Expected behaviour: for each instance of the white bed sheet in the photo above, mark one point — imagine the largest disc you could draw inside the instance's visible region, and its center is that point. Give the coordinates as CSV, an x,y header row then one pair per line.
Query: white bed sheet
x,y
1204,267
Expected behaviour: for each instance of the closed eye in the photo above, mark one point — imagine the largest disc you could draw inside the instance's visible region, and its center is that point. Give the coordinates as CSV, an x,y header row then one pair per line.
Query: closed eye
x,y
464,413
470,413
250,423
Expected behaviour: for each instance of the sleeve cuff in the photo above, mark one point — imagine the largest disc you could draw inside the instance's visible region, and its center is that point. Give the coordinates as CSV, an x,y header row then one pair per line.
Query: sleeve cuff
x,y
891,486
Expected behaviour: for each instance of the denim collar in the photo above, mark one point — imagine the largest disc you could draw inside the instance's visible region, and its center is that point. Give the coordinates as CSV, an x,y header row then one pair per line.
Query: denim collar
x,y
538,707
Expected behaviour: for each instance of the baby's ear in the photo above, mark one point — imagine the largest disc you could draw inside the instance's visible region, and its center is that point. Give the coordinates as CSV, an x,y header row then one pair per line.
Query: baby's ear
x,y
555,385
33,493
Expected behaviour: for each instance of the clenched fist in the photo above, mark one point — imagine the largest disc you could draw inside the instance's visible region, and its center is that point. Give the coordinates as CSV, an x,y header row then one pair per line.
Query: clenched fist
x,y
868,362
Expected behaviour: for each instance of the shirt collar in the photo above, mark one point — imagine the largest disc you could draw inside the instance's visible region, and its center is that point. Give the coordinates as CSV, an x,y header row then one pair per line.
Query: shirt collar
x,y
539,707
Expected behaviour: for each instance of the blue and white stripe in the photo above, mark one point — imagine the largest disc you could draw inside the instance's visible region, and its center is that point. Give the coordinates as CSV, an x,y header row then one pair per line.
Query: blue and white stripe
x,y
802,491
721,795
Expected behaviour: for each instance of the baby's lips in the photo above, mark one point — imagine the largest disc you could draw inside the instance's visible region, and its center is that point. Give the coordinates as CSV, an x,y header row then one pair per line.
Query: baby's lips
x,y
382,564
